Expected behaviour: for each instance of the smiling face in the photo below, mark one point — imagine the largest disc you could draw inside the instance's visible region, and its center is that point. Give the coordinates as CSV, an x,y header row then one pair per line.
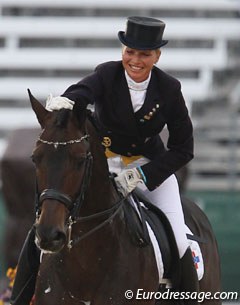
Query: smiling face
x,y
139,63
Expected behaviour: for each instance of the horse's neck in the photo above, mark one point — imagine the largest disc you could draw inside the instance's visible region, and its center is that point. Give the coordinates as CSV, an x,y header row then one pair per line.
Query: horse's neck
x,y
101,191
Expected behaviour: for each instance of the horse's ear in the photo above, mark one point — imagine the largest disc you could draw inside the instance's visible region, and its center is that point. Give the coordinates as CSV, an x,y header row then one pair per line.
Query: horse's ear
x,y
38,108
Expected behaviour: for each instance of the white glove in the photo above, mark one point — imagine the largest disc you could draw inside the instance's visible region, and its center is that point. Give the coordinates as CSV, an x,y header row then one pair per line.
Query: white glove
x,y
58,102
127,180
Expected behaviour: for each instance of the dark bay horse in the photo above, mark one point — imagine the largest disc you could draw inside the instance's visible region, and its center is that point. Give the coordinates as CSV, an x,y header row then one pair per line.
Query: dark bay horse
x,y
87,254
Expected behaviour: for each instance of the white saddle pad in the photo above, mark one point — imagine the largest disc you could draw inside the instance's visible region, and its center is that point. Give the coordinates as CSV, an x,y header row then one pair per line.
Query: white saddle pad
x,y
196,252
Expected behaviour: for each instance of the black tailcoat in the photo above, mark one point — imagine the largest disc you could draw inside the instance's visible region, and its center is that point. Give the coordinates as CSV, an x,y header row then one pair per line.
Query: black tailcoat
x,y
138,133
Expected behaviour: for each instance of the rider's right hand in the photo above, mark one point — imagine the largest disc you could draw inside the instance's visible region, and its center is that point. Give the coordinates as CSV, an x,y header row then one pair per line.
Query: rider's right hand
x,y
58,102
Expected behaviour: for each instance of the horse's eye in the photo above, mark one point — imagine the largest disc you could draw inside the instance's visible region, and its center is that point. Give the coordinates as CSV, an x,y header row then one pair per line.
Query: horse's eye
x,y
33,158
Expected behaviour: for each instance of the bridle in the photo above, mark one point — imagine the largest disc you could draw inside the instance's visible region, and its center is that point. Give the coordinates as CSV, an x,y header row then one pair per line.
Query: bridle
x,y
74,207
65,199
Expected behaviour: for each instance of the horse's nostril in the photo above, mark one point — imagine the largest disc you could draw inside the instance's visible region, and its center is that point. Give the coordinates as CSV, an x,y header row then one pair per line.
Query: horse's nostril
x,y
50,239
60,236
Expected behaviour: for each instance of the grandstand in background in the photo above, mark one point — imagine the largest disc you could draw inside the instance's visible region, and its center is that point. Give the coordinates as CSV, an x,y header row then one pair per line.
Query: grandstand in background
x,y
48,45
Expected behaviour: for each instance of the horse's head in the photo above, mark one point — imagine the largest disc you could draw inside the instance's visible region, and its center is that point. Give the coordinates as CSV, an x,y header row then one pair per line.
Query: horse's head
x,y
62,160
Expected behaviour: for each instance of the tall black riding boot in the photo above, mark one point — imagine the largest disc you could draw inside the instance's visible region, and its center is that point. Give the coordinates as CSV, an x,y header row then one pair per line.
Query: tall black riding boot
x,y
189,279
27,270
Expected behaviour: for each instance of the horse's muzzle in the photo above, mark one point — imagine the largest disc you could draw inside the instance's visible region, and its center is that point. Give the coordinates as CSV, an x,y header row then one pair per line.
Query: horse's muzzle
x,y
48,239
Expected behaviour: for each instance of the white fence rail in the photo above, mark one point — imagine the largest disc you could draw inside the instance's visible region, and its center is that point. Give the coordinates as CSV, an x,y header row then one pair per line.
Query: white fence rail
x,y
126,4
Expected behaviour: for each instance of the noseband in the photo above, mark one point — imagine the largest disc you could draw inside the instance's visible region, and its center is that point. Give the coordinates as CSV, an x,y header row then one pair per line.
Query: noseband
x,y
56,195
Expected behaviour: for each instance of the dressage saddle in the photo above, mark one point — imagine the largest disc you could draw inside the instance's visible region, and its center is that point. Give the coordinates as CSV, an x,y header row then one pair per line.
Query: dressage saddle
x,y
138,216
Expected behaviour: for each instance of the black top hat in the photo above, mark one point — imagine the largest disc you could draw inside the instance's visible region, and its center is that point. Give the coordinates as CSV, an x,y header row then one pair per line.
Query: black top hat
x,y
143,33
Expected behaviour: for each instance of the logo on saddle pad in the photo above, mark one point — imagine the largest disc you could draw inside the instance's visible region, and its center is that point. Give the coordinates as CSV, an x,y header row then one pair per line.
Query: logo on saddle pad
x,y
196,254
196,259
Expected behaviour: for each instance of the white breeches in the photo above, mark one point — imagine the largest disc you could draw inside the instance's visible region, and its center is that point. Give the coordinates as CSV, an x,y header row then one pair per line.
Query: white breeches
x,y
166,197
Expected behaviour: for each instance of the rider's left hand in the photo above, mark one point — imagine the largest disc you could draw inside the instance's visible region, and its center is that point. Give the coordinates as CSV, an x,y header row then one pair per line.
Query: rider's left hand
x,y
127,180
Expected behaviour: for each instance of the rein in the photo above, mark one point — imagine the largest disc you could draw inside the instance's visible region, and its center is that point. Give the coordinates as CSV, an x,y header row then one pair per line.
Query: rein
x,y
75,207
113,211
